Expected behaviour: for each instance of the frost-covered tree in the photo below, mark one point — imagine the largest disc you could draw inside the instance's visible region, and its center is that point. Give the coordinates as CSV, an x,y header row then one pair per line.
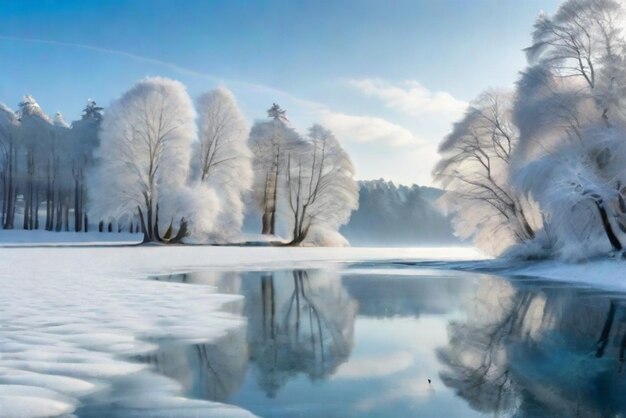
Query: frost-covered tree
x,y
560,184
58,154
36,133
84,141
321,188
270,143
221,158
9,148
474,171
583,40
144,158
569,111
38,152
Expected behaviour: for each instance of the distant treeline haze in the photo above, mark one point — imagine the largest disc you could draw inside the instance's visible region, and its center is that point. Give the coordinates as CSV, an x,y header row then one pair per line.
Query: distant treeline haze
x,y
396,215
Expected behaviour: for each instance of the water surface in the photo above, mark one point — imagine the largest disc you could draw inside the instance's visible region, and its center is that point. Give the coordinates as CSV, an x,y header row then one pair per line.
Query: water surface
x,y
403,341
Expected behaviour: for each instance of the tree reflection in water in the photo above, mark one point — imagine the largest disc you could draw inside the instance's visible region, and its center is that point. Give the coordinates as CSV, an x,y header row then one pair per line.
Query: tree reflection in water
x,y
213,370
298,324
528,350
298,321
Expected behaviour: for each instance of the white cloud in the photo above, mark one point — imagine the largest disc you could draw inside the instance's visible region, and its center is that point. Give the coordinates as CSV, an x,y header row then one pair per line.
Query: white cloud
x,y
416,389
367,129
409,97
370,367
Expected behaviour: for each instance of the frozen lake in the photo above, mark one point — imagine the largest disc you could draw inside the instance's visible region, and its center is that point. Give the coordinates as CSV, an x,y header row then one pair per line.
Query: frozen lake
x,y
322,343
326,335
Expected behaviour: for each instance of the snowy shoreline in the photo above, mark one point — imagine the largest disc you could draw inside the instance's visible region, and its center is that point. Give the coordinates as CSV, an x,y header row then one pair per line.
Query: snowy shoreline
x,y
41,238
611,272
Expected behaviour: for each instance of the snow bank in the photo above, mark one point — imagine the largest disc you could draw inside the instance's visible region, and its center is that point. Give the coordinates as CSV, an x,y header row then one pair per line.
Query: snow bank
x,y
10,238
599,273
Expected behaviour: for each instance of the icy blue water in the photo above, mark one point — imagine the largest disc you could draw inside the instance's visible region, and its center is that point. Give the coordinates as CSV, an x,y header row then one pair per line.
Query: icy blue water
x,y
364,341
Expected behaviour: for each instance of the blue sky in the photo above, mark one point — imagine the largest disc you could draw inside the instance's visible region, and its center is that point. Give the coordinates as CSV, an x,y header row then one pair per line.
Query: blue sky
x,y
389,77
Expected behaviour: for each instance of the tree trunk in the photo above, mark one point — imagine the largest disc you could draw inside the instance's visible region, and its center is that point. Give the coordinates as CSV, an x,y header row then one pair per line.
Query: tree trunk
x,y
300,237
168,233
48,199
149,225
182,232
265,218
265,221
66,216
53,205
11,191
5,200
4,197
525,224
143,225
608,229
26,206
273,212
36,207
157,235
77,210
59,210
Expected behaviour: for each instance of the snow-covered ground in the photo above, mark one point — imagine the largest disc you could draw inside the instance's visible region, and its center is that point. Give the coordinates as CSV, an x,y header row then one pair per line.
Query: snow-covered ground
x,y
19,238
602,273
72,318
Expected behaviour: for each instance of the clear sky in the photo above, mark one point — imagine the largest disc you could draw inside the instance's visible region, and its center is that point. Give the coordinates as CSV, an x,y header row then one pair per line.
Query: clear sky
x,y
388,77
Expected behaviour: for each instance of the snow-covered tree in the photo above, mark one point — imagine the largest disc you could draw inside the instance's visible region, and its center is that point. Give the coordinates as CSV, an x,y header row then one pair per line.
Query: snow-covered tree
x,y
144,158
84,141
322,192
548,169
569,111
221,158
271,142
583,40
474,171
36,133
9,148
58,152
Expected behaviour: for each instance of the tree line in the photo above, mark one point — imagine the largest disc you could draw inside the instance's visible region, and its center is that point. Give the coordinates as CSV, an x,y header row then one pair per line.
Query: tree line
x,y
176,170
541,170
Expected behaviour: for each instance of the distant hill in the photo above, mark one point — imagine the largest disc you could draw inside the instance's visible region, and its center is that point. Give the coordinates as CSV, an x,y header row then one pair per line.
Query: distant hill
x,y
397,215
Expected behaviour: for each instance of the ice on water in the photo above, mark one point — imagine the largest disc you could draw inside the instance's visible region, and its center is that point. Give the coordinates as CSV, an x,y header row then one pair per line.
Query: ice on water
x,y
68,335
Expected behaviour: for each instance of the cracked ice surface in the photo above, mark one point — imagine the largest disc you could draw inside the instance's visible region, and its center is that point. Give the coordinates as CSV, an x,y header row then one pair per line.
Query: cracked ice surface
x,y
69,328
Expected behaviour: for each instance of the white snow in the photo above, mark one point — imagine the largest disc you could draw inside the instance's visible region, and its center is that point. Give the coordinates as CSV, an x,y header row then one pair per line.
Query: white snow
x,y
71,318
19,238
600,273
